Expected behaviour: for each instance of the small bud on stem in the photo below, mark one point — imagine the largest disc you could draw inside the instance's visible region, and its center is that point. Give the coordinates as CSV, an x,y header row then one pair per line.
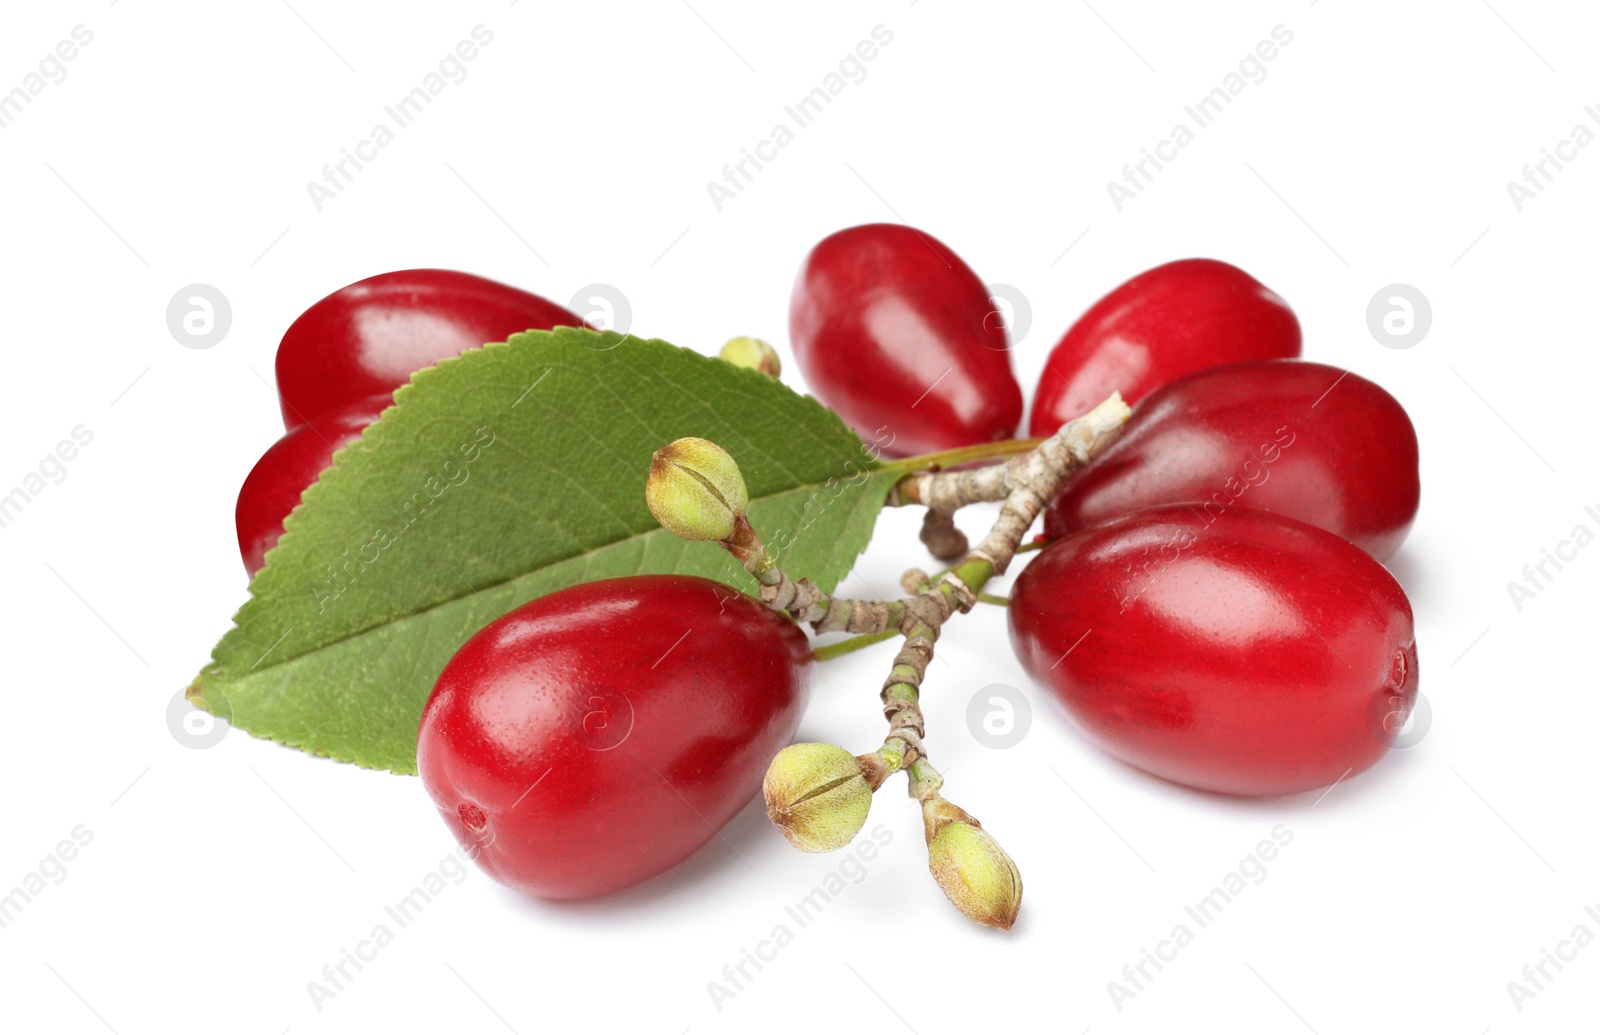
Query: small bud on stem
x,y
818,795
975,873
695,490
753,353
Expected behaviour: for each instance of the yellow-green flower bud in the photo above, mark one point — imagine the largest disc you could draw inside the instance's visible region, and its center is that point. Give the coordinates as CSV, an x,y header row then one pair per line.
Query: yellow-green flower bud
x,y
816,794
753,353
975,873
695,490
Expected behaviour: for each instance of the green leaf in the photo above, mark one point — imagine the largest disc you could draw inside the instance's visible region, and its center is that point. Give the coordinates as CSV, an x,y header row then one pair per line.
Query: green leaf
x,y
499,476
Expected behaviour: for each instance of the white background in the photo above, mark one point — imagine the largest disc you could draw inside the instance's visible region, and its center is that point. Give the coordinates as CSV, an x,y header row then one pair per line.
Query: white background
x,y
1376,150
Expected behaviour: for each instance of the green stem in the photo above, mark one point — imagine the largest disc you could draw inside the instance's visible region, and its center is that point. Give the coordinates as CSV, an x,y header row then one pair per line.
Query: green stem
x,y
853,644
965,454
977,587
991,598
976,574
925,779
901,693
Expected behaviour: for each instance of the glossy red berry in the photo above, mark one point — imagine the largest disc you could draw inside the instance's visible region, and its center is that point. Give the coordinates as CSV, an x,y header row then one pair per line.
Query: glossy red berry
x,y
371,336
597,736
1252,655
895,333
1304,440
287,469
1163,324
